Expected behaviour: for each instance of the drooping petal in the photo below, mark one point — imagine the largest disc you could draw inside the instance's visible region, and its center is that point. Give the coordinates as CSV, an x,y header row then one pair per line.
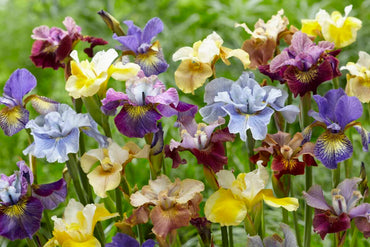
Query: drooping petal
x,y
315,198
51,194
123,72
324,223
258,123
42,104
104,180
13,120
223,208
152,62
289,203
332,148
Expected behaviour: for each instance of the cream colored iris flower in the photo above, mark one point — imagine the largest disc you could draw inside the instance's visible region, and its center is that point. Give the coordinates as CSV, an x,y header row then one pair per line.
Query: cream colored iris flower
x,y
341,30
76,229
236,197
89,77
198,61
107,175
358,79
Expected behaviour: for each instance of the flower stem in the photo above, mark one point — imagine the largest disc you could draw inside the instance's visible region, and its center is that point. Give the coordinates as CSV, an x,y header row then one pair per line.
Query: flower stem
x,y
231,237
285,216
336,176
336,82
140,233
225,242
119,207
305,106
295,218
354,237
250,147
73,172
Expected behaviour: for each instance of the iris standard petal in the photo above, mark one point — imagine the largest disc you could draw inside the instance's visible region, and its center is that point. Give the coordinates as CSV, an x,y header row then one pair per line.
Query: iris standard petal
x,y
153,27
347,110
19,84
315,198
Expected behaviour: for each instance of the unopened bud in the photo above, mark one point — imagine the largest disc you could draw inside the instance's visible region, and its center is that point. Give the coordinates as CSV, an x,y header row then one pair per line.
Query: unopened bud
x,y
112,23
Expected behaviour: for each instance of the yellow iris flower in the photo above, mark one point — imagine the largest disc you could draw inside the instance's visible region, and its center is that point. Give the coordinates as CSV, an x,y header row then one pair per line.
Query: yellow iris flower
x,y
236,197
341,30
76,229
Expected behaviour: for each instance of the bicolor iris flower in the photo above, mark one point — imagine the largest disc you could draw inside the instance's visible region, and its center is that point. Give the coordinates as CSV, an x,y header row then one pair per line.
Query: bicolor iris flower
x,y
236,197
337,113
341,30
203,142
198,62
265,38
249,105
285,152
14,116
145,102
88,78
53,45
137,42
56,134
358,79
304,65
20,210
76,228
337,217
112,161
124,240
174,204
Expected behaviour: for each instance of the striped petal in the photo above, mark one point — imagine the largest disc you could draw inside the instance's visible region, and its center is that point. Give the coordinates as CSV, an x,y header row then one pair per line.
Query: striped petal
x,y
13,120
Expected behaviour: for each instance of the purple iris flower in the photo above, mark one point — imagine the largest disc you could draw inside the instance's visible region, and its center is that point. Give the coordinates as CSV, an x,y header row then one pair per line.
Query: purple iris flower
x,y
20,212
337,218
56,134
249,105
145,102
304,65
123,240
337,113
149,56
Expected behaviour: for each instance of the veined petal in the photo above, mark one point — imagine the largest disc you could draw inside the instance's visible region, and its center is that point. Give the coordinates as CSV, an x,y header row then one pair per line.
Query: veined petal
x,y
223,208
51,194
289,203
152,62
225,178
13,120
103,181
42,104
315,198
332,148
192,75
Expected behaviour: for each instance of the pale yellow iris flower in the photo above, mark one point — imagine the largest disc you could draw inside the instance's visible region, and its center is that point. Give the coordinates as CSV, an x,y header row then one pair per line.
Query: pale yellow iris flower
x,y
341,30
89,77
358,79
198,61
76,229
236,197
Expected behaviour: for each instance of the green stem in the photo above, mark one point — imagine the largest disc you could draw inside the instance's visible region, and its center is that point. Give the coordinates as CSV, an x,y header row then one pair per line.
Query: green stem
x,y
119,207
140,233
295,218
231,237
335,240
354,237
225,242
250,149
73,172
31,242
336,176
262,223
49,227
99,233
336,82
285,216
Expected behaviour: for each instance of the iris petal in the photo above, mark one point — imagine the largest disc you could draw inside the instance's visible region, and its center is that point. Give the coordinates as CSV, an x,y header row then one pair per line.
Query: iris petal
x,y
13,120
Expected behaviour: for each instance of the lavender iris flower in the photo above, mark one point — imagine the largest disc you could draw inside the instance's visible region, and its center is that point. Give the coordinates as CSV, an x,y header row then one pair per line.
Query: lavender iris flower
x,y
336,218
20,213
337,113
149,56
123,240
56,134
249,105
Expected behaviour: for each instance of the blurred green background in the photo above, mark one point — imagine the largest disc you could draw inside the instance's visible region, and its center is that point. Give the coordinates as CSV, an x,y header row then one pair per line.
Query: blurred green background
x,y
186,21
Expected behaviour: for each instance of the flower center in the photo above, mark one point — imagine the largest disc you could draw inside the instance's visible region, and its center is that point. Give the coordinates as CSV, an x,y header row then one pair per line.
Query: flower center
x,y
15,210
306,76
137,111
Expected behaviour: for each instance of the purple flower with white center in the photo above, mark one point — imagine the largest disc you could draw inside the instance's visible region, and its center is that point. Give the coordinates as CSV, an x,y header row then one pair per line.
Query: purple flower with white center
x,y
56,134
149,56
249,105
145,102
337,218
14,116
20,213
304,65
123,240
337,113
202,141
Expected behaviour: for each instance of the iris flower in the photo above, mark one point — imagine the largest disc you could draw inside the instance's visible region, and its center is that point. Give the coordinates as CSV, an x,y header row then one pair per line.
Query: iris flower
x,y
304,65
145,102
53,45
203,142
274,240
123,240
358,79
88,78
229,205
285,152
198,61
137,42
56,134
265,38
76,228
337,218
249,105
20,211
14,116
341,30
107,175
174,204
337,113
